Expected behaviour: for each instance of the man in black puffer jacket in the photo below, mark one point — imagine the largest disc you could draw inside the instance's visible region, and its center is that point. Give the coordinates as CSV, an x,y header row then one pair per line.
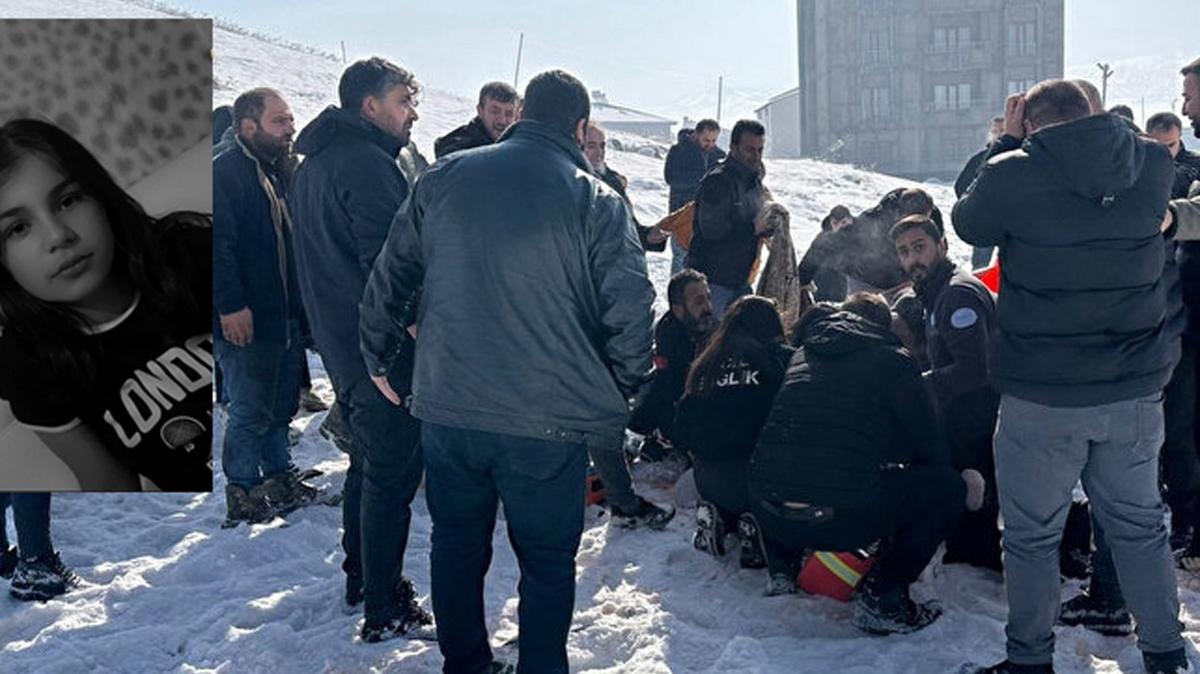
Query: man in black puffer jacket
x,y
347,191
1086,344
496,111
692,156
521,275
850,454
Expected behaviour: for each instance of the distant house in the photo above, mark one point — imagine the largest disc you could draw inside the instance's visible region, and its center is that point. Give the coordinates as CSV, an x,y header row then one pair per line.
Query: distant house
x,y
618,118
781,117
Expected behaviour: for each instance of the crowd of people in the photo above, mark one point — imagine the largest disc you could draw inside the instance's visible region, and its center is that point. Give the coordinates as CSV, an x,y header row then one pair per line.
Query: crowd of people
x,y
911,408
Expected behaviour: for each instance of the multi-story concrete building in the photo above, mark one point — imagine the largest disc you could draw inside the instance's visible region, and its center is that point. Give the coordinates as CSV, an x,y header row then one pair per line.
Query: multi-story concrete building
x,y
910,86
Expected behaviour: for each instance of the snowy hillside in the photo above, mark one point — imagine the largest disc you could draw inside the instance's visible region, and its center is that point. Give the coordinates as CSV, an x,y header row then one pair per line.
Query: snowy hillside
x,y
166,590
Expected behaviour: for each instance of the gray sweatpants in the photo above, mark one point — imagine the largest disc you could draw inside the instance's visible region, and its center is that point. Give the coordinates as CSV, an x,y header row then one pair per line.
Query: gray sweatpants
x,y
1040,453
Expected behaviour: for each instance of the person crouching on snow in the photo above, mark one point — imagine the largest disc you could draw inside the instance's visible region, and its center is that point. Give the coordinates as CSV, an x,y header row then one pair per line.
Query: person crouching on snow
x,y
105,337
850,454
729,392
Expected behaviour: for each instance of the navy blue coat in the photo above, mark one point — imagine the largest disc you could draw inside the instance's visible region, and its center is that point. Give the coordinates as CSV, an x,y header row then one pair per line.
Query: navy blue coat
x,y
685,166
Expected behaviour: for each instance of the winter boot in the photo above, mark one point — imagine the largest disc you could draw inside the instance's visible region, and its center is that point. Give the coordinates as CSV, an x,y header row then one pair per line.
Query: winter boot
x,y
644,514
890,611
41,578
1097,614
1171,662
710,530
333,428
1007,667
406,619
242,506
311,402
752,556
286,494
8,562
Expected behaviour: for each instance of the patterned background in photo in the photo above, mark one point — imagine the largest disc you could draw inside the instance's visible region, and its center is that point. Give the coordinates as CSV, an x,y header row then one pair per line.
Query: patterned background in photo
x,y
136,92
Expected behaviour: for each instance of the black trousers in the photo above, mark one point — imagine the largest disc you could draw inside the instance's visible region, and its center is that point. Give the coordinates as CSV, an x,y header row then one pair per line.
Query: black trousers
x,y
1180,466
722,482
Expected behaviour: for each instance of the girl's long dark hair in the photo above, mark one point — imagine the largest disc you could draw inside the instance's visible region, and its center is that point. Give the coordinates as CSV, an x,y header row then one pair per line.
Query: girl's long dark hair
x,y
53,332
749,326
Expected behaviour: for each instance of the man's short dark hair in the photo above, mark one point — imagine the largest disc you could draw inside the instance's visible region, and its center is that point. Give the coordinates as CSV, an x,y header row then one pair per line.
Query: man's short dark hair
x,y
251,105
870,306
1192,68
1163,121
744,126
557,99
920,222
915,201
1055,102
1122,111
679,283
372,77
707,125
501,92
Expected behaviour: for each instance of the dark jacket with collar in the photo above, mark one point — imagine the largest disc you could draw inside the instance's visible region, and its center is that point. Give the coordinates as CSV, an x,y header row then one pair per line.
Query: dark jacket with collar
x,y
523,274
685,166
469,135
675,348
724,244
852,402
253,261
1082,314
617,182
347,191
1187,171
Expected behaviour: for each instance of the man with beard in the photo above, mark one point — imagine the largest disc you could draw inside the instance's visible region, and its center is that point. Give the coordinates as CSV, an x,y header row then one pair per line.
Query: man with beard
x,y
496,111
960,315
678,337
652,238
347,191
260,346
727,228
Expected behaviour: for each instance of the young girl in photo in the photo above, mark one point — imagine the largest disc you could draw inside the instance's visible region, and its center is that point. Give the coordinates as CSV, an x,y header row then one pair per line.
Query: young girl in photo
x,y
105,326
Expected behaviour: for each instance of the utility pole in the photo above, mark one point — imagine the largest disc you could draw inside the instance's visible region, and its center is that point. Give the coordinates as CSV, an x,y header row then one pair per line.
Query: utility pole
x,y
720,91
520,47
1105,73
343,52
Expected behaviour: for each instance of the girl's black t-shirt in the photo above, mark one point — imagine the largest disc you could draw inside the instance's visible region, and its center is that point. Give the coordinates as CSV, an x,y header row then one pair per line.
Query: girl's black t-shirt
x,y
151,400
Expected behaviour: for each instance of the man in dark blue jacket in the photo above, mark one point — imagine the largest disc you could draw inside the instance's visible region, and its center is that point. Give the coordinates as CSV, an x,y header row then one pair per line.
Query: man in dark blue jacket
x,y
347,191
258,318
1085,345
521,275
688,160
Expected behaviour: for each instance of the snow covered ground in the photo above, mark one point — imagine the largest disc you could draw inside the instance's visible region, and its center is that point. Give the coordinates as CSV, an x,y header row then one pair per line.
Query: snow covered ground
x,y
166,590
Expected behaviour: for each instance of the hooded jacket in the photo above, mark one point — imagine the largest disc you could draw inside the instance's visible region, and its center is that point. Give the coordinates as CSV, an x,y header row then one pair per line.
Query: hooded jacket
x,y
347,191
469,135
685,166
1082,311
523,274
851,404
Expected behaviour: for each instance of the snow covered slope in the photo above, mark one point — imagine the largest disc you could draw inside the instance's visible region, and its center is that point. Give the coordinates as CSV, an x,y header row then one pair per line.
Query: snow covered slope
x,y
167,590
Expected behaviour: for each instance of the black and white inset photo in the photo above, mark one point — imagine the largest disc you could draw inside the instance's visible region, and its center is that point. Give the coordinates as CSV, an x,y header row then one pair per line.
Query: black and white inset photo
x,y
106,362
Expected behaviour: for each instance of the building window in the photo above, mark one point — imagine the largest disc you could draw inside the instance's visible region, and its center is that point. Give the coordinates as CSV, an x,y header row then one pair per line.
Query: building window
x,y
951,96
874,47
951,39
875,104
1020,86
1022,38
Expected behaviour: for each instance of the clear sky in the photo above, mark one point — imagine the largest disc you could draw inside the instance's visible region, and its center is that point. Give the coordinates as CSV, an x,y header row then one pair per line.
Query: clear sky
x,y
662,57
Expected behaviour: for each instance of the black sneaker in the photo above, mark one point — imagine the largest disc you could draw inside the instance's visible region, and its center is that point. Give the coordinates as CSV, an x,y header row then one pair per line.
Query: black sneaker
x,y
890,612
286,493
652,450
645,514
42,578
408,619
1007,667
752,554
1075,564
1098,615
311,402
1171,662
710,530
249,507
8,562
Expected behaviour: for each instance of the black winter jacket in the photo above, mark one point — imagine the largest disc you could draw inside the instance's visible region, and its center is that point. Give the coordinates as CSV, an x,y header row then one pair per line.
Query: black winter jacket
x,y
852,403
1076,213
685,166
523,274
675,348
1187,171
469,135
347,191
724,244
724,423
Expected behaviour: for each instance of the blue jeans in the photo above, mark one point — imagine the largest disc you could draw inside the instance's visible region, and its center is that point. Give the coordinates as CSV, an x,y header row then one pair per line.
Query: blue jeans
x,y
31,516
541,483
385,472
1041,452
722,296
262,383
